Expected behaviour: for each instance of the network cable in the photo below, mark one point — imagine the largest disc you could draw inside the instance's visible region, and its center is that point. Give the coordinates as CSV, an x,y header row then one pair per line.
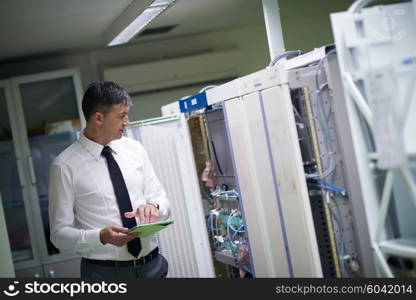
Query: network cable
x,y
324,125
285,54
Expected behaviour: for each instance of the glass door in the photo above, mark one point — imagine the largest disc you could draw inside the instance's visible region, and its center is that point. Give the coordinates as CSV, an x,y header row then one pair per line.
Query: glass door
x,y
13,188
48,107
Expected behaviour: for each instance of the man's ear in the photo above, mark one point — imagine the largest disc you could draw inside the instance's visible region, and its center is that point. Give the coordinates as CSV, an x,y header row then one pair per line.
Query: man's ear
x,y
98,117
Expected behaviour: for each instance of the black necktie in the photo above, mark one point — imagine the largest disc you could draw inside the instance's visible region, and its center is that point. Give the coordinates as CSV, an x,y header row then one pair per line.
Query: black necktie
x,y
123,199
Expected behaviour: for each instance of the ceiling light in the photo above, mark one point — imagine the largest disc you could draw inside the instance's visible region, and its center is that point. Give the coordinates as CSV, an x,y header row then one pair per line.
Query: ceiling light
x,y
141,21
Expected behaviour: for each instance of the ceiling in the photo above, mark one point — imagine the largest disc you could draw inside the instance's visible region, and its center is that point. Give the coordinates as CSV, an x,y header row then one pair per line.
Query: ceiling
x,y
30,28
39,28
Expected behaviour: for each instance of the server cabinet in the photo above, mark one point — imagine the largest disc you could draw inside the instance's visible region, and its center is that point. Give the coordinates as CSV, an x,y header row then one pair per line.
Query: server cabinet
x,y
376,57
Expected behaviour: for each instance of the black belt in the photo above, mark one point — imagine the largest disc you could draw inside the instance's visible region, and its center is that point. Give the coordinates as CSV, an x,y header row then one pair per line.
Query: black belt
x,y
128,263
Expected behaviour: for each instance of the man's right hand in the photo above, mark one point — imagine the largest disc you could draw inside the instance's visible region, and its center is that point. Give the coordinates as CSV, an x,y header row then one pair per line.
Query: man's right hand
x,y
116,235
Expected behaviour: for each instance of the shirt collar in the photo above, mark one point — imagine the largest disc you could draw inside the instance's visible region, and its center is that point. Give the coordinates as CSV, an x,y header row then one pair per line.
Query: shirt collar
x,y
94,148
114,146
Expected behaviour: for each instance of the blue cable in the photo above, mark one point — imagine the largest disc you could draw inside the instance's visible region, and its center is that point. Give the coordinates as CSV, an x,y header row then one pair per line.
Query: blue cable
x,y
209,226
237,231
331,187
233,228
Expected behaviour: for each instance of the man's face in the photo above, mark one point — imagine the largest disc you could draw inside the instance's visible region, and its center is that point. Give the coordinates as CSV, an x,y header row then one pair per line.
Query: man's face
x,y
115,121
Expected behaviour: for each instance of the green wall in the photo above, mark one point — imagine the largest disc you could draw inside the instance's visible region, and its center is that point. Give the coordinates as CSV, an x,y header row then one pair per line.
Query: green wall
x,y
306,24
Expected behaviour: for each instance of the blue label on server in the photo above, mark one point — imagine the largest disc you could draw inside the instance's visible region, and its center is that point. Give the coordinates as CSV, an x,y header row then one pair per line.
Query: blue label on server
x,y
194,102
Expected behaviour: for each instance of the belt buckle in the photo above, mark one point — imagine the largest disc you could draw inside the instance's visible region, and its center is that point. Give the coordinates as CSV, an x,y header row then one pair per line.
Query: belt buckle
x,y
137,262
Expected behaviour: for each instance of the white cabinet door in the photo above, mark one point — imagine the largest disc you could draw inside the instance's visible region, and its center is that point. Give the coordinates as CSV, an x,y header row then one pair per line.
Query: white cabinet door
x,y
185,243
41,101
13,187
45,115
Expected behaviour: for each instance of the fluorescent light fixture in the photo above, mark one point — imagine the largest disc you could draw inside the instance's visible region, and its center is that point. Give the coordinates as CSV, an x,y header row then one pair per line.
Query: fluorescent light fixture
x,y
141,21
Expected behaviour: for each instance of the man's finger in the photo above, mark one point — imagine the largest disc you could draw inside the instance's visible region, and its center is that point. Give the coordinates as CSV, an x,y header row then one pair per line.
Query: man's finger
x,y
155,212
120,235
130,214
155,216
147,213
119,229
141,213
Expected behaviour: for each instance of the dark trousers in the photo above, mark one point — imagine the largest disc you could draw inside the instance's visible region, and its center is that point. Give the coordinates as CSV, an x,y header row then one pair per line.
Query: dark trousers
x,y
156,268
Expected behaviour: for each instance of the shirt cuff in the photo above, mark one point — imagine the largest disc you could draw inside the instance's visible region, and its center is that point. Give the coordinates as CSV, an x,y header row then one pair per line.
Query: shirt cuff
x,y
163,212
92,237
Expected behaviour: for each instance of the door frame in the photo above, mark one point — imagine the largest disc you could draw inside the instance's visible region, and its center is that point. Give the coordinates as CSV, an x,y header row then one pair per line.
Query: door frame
x,y
22,139
7,86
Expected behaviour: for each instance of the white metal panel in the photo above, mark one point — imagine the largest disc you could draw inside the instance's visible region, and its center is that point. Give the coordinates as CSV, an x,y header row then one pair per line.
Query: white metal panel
x,y
305,59
270,175
359,141
372,51
185,243
246,85
293,191
255,181
272,185
379,40
170,109
387,40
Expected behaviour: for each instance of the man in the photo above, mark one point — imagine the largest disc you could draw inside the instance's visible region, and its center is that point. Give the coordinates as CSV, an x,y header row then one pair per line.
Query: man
x,y
102,185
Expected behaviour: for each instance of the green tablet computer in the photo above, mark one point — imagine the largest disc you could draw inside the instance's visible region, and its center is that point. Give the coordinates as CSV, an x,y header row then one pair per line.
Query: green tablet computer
x,y
150,228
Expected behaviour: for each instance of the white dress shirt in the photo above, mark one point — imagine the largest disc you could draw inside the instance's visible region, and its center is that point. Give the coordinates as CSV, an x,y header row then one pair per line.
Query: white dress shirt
x,y
82,199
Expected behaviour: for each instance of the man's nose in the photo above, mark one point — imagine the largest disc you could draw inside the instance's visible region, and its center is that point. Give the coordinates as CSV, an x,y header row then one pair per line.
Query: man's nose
x,y
126,121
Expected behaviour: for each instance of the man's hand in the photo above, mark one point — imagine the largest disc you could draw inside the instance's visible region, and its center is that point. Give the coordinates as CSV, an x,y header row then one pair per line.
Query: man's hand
x,y
146,212
116,235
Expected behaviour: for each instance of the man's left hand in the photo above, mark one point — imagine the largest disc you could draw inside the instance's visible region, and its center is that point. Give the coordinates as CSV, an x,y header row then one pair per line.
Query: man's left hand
x,y
147,213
